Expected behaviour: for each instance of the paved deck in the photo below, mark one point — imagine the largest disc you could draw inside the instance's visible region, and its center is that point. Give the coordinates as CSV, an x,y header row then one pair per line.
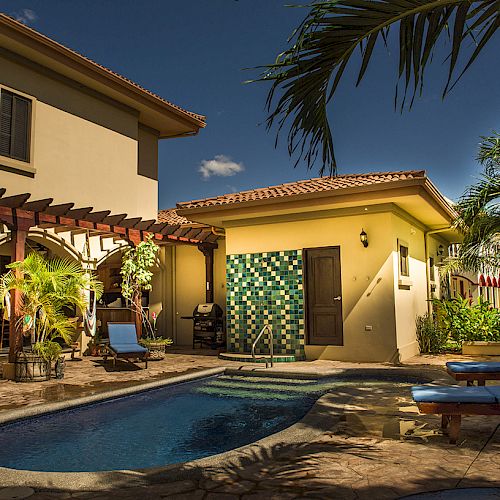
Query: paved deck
x,y
380,448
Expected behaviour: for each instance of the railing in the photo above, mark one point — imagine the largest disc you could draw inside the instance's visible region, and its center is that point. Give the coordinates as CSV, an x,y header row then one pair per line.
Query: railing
x,y
271,352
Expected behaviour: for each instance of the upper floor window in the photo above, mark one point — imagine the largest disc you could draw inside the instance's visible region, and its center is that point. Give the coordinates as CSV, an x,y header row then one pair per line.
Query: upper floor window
x,y
15,126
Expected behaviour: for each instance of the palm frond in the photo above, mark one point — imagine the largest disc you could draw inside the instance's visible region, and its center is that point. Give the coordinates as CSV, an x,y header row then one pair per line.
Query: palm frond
x,y
479,213
48,287
308,73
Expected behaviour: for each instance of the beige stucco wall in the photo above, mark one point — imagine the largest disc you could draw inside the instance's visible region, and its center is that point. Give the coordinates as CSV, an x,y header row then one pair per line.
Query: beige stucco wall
x,y
411,301
367,276
182,285
85,148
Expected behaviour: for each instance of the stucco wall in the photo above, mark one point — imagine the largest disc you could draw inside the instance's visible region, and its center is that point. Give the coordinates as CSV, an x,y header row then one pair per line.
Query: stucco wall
x,y
367,276
410,300
85,149
189,287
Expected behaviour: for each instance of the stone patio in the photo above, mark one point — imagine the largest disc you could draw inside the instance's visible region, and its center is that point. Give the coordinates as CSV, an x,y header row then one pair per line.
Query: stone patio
x,y
380,447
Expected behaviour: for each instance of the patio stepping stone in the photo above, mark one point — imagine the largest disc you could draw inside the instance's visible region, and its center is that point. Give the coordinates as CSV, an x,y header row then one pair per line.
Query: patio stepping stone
x,y
16,492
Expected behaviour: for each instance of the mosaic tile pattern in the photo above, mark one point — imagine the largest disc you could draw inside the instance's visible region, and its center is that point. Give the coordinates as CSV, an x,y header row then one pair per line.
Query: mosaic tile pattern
x,y
265,287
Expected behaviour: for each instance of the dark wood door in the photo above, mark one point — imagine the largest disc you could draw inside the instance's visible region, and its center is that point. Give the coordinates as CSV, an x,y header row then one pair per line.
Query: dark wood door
x,y
323,296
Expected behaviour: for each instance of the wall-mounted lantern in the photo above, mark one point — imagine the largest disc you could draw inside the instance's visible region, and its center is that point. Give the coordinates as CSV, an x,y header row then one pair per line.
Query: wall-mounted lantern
x,y
363,238
440,250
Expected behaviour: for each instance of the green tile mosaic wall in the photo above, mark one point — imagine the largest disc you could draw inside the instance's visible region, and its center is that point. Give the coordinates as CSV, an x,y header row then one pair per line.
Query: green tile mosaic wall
x,y
265,287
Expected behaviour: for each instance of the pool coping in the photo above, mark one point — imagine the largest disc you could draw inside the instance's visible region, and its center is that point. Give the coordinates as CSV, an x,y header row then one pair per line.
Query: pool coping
x,y
311,426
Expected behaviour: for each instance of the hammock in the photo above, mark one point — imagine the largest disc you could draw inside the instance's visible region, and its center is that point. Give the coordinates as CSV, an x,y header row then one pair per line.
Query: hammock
x,y
89,316
6,307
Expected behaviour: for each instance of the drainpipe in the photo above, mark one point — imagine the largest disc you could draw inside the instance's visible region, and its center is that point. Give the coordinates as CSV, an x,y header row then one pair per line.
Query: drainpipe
x,y
173,260
427,270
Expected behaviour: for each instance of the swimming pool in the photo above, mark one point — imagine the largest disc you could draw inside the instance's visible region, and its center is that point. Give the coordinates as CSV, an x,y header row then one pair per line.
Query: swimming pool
x,y
162,426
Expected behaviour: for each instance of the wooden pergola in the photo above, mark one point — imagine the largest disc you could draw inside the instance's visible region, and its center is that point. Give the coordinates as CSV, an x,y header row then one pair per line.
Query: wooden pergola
x,y
20,214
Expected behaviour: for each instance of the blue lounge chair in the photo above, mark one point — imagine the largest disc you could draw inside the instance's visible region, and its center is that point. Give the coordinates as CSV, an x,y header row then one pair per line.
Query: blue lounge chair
x,y
123,343
474,370
451,402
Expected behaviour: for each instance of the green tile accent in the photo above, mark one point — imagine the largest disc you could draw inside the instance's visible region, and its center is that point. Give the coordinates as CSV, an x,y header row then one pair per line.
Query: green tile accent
x,y
265,287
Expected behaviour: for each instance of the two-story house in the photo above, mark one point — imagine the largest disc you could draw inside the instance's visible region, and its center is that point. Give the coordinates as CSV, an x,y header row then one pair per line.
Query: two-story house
x,y
79,156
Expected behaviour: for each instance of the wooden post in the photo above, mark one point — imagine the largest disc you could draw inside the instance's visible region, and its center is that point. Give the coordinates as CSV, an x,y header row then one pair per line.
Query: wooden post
x,y
208,252
15,327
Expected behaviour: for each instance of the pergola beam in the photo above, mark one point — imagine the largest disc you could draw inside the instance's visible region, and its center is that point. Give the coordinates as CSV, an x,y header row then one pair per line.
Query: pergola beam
x,y
64,217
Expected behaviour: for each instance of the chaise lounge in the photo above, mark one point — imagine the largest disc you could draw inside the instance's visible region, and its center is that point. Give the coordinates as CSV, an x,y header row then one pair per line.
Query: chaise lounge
x,y
123,343
471,371
451,402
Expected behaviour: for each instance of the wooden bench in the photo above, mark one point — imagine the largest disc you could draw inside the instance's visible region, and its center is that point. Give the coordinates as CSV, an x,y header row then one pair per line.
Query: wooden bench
x,y
474,371
452,402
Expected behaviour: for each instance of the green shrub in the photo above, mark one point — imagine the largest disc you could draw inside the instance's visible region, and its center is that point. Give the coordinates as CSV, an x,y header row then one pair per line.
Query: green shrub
x,y
431,339
465,322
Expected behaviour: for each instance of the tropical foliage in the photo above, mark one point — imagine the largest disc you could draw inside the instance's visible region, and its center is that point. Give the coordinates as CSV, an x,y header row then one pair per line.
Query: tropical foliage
x,y
307,74
430,337
479,214
136,272
152,341
48,287
464,322
136,268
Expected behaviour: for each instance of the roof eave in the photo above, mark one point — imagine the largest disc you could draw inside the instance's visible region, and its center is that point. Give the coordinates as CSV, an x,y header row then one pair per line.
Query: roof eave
x,y
83,65
300,197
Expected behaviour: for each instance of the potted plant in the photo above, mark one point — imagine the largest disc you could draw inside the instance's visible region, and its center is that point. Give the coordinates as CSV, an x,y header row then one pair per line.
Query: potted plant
x,y
136,277
49,288
156,346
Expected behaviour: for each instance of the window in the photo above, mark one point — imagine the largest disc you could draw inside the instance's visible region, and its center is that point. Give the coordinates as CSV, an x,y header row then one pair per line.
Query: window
x,y
404,269
432,276
15,126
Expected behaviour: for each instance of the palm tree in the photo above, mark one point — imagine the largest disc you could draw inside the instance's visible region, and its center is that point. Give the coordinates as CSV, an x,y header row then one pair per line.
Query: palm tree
x,y
47,288
479,214
307,74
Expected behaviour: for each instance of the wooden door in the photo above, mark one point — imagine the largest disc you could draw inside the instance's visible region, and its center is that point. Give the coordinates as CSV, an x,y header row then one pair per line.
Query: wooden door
x,y
323,295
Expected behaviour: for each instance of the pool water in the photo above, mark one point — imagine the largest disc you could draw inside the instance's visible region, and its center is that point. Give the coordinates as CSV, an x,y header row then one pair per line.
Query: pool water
x,y
159,427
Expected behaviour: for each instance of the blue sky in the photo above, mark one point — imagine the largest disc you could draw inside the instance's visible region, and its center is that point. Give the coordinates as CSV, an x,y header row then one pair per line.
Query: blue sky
x,y
194,54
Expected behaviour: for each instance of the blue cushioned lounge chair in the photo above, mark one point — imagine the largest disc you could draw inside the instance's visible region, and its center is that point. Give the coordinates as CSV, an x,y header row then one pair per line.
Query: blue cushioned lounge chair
x,y
474,370
123,343
454,401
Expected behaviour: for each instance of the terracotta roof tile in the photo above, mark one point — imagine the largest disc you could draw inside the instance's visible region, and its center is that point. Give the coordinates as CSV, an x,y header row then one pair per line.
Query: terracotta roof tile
x,y
171,216
46,39
315,185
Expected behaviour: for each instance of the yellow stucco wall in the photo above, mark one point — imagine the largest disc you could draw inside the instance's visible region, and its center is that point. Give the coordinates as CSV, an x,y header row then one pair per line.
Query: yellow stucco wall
x,y
367,276
410,300
185,276
85,149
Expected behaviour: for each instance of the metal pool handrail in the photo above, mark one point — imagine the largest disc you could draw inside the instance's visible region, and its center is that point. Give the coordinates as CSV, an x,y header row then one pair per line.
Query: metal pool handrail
x,y
271,352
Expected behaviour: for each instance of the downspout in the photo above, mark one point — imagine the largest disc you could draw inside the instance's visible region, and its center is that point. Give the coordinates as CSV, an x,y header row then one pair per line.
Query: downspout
x,y
173,260
427,270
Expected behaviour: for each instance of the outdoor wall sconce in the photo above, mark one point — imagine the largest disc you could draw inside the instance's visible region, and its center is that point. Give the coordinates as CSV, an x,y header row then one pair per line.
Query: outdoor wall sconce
x,y
363,238
440,251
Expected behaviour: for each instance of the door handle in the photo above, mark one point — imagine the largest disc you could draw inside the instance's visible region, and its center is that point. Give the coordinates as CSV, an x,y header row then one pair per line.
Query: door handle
x,y
337,298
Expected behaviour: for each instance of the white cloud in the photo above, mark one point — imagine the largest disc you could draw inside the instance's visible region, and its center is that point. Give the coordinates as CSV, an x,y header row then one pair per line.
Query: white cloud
x,y
221,165
25,16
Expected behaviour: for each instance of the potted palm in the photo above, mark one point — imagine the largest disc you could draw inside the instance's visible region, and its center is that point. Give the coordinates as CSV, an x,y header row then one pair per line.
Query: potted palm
x,y
49,288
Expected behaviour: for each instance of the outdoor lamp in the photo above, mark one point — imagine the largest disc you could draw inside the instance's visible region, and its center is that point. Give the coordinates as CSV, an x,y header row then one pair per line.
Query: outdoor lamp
x,y
364,238
440,251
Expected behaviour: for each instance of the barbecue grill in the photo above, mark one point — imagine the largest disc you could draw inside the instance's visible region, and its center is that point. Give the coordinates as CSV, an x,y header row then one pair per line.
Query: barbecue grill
x,y
208,325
